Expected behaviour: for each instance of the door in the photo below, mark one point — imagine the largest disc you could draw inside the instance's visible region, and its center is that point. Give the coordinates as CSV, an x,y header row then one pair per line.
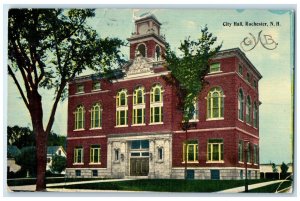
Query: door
x,y
139,166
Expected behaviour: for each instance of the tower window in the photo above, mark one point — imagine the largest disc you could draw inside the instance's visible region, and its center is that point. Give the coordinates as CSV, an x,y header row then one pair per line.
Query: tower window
x,y
142,49
157,53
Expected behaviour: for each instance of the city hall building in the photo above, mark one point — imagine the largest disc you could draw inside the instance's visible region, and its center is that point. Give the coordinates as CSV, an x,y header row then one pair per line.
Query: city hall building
x,y
132,127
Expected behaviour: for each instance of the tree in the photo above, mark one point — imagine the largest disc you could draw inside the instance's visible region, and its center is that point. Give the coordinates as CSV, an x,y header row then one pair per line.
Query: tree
x,y
20,136
59,163
24,137
274,168
188,71
284,168
46,49
27,160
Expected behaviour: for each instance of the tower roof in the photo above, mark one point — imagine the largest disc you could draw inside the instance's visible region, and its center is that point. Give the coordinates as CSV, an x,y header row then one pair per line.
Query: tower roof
x,y
147,16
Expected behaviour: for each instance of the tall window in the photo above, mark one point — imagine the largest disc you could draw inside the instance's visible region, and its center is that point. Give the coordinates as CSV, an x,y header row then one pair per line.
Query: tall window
x,y
255,154
79,117
122,108
240,69
215,67
241,151
190,151
248,110
160,153
215,150
196,111
96,116
215,103
95,154
138,116
248,153
157,53
248,77
142,49
255,115
156,104
241,105
78,155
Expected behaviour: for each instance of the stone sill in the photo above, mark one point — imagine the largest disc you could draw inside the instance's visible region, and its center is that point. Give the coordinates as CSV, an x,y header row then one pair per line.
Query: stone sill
x,y
78,163
214,161
121,126
214,119
133,125
81,129
158,123
194,162
98,128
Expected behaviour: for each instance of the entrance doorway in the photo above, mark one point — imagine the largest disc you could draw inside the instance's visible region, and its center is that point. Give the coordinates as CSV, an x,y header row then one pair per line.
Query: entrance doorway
x,y
139,158
139,166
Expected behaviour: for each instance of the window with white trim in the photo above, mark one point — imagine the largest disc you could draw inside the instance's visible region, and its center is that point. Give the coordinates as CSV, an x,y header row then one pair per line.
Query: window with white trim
x,y
241,151
79,88
96,116
195,111
215,150
248,153
215,67
138,114
241,105
95,154
255,115
248,110
122,108
78,155
215,103
156,104
255,154
96,86
190,151
79,117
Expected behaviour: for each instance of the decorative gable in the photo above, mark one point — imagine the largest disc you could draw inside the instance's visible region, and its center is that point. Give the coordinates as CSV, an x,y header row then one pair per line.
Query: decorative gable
x,y
140,66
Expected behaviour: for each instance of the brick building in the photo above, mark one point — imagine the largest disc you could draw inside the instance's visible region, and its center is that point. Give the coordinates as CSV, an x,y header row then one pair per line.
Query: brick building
x,y
132,126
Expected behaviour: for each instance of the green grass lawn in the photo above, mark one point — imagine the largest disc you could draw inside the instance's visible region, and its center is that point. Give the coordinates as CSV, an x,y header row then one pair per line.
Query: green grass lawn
x,y
164,185
271,188
31,181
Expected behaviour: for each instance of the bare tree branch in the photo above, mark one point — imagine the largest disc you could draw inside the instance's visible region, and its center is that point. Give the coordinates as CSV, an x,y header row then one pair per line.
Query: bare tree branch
x,y
53,110
18,86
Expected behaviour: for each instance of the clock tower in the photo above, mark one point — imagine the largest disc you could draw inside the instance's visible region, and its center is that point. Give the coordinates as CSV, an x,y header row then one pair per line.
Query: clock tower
x,y
146,40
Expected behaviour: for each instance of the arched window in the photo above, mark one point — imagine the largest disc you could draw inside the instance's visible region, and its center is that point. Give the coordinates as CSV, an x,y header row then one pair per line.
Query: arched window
x,y
79,117
215,103
195,111
121,108
255,115
96,116
138,115
241,105
142,49
248,110
156,104
157,53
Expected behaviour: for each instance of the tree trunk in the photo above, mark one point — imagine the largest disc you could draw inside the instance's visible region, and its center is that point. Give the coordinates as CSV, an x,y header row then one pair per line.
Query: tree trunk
x,y
41,157
41,137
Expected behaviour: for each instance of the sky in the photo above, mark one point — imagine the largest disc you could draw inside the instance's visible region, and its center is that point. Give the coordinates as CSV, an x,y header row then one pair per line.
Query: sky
x,y
275,88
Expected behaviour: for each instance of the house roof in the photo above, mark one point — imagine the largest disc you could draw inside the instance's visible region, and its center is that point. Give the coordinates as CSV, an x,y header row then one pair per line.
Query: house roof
x,y
12,151
51,150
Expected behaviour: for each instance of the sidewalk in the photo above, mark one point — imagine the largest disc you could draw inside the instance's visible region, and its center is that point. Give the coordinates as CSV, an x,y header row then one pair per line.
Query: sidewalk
x,y
31,188
250,187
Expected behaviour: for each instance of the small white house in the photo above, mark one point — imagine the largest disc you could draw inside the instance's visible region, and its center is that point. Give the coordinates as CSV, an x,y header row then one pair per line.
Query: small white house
x,y
54,150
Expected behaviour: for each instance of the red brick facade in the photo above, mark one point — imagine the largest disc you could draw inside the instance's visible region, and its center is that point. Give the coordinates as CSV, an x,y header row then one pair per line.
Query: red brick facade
x,y
229,128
